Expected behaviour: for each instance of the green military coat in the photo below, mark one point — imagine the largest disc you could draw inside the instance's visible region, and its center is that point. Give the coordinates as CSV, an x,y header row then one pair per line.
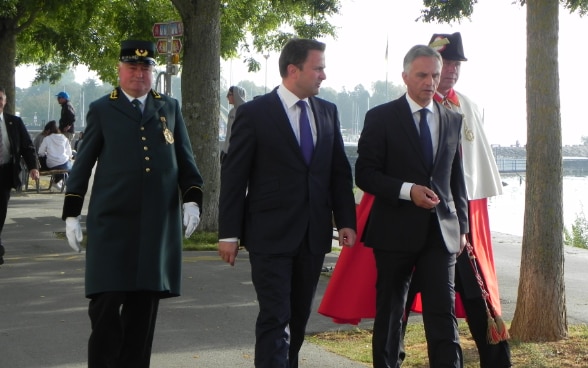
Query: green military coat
x,y
134,225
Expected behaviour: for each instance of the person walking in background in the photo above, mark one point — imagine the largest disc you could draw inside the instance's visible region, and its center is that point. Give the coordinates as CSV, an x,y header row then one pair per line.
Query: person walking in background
x,y
475,275
279,194
145,170
236,97
56,150
409,159
79,141
15,142
68,116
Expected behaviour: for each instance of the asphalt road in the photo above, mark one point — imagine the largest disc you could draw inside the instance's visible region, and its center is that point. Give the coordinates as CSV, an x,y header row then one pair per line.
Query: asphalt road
x,y
43,312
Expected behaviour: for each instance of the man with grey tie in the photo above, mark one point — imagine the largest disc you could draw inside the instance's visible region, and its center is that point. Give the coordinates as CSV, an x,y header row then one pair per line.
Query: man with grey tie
x,y
15,142
409,159
283,180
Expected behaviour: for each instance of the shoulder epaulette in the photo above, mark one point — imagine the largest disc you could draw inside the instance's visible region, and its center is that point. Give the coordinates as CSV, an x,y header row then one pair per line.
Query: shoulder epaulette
x,y
155,94
114,94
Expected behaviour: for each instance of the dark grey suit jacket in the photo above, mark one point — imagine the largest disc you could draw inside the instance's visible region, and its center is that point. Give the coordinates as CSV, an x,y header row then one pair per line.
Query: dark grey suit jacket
x,y
269,197
21,145
389,154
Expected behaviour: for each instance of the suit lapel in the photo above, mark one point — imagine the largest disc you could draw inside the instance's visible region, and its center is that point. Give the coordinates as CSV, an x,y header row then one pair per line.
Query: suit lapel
x,y
320,120
279,117
408,124
152,106
443,124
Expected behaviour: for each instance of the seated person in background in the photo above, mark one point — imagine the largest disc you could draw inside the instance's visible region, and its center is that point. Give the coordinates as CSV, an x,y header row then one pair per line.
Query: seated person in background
x,y
56,147
37,142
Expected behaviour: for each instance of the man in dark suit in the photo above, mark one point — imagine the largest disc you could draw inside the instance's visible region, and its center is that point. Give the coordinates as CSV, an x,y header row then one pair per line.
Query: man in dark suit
x,y
15,142
409,159
283,180
145,173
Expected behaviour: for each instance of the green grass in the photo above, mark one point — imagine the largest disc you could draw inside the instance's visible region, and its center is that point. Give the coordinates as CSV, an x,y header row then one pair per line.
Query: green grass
x,y
199,241
202,240
571,352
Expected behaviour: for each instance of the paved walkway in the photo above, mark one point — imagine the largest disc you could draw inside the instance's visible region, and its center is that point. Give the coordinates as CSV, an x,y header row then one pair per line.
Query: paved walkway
x,y
43,312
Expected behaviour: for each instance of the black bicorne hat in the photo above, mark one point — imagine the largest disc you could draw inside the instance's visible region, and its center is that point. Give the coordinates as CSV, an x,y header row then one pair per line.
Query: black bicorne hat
x,y
132,51
448,45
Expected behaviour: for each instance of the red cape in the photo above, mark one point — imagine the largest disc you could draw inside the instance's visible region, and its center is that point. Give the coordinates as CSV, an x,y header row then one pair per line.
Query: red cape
x,y
351,293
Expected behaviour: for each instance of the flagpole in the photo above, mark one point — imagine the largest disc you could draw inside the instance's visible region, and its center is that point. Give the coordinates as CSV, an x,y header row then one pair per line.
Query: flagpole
x,y
386,58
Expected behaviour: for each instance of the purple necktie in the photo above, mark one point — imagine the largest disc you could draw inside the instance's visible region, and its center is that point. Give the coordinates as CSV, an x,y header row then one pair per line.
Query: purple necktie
x,y
426,141
306,143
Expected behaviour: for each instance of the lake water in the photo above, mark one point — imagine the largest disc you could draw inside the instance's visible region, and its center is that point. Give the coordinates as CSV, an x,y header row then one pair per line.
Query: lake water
x,y
507,211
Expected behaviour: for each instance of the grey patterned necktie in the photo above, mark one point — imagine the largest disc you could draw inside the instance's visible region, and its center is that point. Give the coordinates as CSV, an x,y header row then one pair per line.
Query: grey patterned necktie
x,y
137,105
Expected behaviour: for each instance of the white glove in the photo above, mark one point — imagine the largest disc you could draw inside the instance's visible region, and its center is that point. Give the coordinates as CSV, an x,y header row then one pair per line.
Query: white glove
x,y
73,231
191,217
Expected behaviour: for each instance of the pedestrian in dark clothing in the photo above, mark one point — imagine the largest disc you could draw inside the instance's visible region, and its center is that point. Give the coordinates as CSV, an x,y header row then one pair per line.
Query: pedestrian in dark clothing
x,y
68,116
15,142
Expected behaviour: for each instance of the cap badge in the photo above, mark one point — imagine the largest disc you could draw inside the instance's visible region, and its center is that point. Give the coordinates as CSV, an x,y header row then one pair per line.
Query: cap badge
x,y
142,53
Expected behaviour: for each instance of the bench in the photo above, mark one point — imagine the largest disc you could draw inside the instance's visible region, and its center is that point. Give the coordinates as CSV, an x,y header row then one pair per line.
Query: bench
x,y
43,171
50,173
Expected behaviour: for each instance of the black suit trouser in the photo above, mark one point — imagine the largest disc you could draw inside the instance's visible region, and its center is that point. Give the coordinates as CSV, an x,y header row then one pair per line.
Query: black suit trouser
x,y
123,325
435,271
285,286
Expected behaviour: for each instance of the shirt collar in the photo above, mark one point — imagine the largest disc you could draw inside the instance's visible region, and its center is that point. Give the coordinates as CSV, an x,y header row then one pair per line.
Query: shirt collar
x,y
415,107
451,97
131,98
288,97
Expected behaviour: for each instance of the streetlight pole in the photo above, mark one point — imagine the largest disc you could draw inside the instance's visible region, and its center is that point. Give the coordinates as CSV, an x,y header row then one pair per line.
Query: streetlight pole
x,y
266,56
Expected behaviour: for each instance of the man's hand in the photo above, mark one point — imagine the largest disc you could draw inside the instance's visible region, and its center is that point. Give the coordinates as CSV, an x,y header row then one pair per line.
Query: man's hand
x,y
228,251
34,174
463,241
346,237
73,232
423,197
191,217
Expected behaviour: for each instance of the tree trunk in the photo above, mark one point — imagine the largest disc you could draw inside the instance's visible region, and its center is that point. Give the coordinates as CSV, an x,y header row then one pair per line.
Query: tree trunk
x,y
7,57
540,313
200,96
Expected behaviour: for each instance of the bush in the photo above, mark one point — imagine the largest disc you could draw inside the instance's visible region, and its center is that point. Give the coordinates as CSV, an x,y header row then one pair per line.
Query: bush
x,y
578,236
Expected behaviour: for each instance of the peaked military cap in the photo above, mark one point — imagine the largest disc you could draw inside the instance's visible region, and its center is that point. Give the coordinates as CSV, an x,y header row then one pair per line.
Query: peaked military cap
x,y
134,51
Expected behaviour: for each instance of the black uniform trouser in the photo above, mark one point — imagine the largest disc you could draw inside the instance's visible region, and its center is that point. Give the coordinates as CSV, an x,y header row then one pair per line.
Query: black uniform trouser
x,y
123,325
6,173
491,355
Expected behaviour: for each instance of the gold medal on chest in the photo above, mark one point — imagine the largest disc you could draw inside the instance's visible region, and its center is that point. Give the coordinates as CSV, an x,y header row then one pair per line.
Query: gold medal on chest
x,y
469,134
167,134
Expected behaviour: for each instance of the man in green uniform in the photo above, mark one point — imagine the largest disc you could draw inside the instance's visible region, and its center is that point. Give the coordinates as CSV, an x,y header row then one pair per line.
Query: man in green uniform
x,y
145,169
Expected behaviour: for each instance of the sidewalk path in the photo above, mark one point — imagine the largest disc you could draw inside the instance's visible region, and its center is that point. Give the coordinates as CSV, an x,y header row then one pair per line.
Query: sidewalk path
x,y
44,322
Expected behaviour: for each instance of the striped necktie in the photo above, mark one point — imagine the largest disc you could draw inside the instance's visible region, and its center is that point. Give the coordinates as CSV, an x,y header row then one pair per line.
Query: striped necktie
x,y
137,105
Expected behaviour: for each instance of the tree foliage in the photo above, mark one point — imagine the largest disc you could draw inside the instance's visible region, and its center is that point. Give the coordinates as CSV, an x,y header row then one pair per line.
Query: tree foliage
x,y
57,35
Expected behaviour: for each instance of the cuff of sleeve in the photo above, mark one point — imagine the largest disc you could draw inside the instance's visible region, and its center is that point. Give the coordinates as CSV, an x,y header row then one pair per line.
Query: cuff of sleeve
x,y
193,194
405,191
72,205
